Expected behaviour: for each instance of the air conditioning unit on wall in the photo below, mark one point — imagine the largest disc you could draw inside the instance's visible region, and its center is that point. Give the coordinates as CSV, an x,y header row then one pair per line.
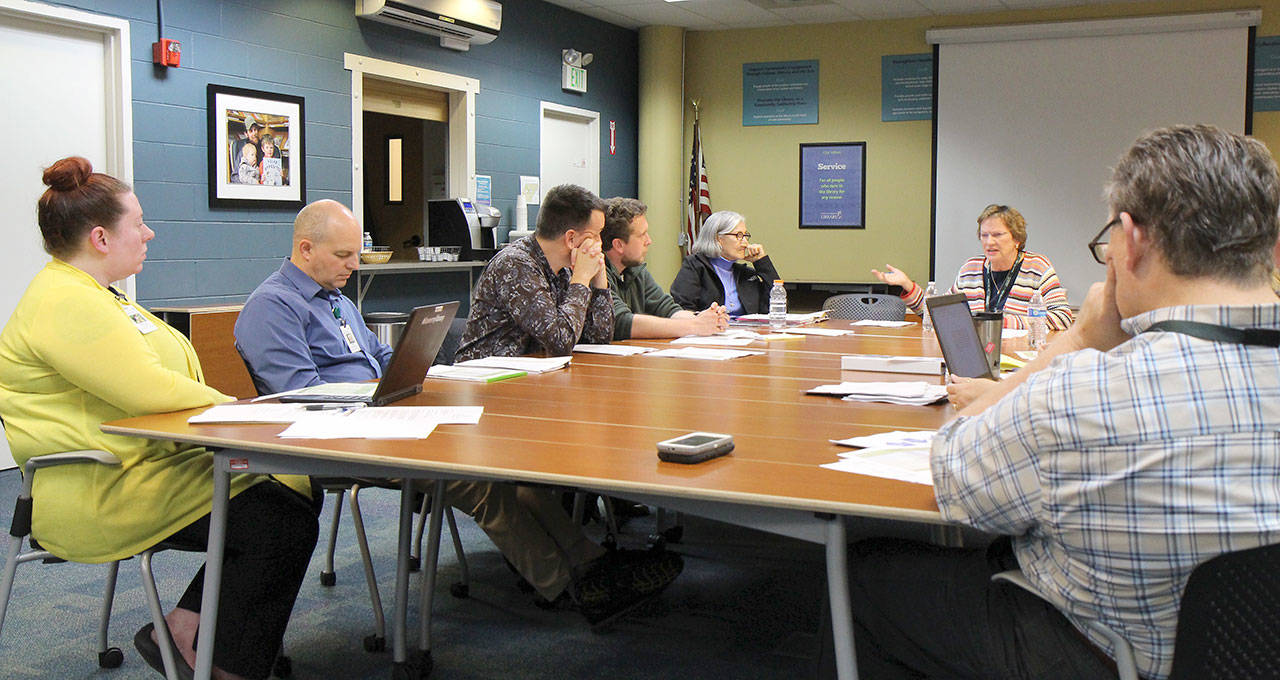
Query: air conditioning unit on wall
x,y
459,23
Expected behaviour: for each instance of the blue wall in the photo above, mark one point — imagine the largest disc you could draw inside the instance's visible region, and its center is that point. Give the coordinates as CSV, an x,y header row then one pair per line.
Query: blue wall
x,y
202,255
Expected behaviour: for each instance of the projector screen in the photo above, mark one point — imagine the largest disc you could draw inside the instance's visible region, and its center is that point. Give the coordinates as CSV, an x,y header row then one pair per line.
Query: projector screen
x,y
1035,116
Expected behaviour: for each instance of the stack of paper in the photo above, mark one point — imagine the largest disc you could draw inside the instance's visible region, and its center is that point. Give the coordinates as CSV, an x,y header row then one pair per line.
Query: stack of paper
x,y
385,422
703,353
250,413
894,455
891,364
473,373
909,393
809,330
526,364
1013,333
811,317
883,324
727,341
615,350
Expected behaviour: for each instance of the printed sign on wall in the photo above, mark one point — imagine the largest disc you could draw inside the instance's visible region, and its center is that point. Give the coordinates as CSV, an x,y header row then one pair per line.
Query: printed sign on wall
x,y
906,87
780,93
1266,74
833,185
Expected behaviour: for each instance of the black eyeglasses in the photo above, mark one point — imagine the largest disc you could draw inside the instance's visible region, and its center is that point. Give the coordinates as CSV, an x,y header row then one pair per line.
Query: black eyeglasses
x,y
744,236
1098,246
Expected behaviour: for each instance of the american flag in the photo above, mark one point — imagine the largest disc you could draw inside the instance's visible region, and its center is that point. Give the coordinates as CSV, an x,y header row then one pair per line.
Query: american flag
x,y
699,203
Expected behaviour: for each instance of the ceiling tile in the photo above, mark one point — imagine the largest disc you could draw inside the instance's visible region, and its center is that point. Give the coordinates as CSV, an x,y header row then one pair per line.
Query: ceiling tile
x,y
885,9
725,11
816,14
962,6
612,17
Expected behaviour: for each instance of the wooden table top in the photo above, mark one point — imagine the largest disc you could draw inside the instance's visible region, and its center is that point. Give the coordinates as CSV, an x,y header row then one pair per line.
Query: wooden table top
x,y
595,424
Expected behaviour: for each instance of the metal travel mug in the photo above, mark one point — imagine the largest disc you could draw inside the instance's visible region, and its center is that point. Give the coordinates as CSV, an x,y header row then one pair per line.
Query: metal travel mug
x,y
988,325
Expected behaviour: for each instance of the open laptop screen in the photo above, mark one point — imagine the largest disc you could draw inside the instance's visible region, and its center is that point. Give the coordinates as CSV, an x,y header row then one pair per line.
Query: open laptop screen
x,y
957,336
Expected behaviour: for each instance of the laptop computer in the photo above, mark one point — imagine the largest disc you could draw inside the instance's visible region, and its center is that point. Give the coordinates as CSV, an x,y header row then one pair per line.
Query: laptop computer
x,y
953,324
413,355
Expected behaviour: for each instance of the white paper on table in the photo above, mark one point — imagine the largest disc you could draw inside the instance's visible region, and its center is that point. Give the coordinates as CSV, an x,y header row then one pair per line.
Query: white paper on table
x,y
383,422
615,350
791,318
250,413
810,330
897,438
1027,355
1013,332
526,364
441,415
909,464
703,353
883,324
738,341
888,363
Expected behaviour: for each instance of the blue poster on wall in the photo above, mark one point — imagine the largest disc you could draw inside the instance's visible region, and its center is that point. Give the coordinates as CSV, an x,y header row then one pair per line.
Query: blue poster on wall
x,y
906,87
1266,74
780,93
833,185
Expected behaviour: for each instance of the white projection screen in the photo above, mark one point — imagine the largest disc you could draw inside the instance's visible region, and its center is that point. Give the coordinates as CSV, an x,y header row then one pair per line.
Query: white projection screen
x,y
1034,116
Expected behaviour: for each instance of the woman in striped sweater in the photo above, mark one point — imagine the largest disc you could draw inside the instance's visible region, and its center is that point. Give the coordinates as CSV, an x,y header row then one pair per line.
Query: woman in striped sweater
x,y
1003,279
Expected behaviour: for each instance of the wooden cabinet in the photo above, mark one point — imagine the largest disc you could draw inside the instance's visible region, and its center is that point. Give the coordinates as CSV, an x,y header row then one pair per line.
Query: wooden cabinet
x,y
211,331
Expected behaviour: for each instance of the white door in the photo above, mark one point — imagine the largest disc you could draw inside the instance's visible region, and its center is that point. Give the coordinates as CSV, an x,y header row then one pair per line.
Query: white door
x,y
569,147
60,102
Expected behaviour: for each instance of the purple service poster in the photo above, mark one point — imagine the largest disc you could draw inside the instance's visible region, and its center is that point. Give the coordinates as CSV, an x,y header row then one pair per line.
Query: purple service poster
x,y
833,185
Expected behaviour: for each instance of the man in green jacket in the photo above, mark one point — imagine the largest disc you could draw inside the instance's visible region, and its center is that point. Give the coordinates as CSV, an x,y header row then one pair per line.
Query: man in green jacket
x,y
641,309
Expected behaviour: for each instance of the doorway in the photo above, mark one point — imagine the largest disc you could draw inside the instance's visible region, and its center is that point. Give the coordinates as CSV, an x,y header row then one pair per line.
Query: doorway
x,y
569,147
71,96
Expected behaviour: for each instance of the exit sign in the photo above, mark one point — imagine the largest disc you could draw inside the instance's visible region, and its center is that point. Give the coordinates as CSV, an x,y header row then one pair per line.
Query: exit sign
x,y
573,78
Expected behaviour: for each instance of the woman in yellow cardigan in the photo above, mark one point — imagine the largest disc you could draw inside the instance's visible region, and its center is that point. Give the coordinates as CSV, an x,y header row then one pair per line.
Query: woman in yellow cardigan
x,y
76,353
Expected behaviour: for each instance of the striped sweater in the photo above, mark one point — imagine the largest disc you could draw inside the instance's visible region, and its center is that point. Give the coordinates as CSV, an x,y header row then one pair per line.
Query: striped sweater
x,y
1035,274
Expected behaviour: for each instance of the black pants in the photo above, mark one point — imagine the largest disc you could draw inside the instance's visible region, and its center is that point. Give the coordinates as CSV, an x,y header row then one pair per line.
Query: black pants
x,y
271,533
922,611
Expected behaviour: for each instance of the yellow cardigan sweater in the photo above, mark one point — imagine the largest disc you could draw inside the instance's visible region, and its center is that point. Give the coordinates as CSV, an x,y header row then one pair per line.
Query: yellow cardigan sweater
x,y
70,359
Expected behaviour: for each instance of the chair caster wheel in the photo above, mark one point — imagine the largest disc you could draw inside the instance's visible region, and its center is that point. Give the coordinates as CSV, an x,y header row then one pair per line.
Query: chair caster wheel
x,y
328,578
415,564
112,658
375,643
460,590
674,534
283,667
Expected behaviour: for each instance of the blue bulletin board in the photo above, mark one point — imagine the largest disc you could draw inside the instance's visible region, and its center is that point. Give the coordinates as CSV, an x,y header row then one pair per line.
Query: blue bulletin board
x,y
833,185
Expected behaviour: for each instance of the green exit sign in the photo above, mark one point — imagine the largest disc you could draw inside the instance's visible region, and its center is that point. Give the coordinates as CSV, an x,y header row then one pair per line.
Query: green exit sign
x,y
573,78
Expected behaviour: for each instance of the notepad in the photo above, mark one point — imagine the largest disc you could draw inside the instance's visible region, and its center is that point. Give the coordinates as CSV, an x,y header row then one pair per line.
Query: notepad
x,y
473,373
891,364
526,364
614,350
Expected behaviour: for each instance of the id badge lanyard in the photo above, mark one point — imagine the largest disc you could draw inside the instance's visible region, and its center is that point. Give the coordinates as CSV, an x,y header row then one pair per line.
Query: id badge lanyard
x,y
1264,337
349,336
996,298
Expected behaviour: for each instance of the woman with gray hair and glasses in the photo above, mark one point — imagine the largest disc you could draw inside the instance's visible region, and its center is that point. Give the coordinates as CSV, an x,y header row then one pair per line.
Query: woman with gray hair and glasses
x,y
725,268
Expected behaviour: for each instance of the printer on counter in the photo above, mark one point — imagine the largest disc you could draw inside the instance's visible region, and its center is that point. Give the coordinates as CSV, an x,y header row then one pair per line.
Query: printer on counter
x,y
458,222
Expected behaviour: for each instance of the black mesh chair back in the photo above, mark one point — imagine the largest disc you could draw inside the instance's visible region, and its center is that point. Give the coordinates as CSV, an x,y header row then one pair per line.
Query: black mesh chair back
x,y
859,306
1229,624
452,339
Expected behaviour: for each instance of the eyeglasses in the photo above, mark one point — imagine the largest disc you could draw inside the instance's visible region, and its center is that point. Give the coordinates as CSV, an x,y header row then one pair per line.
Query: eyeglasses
x,y
1098,246
744,236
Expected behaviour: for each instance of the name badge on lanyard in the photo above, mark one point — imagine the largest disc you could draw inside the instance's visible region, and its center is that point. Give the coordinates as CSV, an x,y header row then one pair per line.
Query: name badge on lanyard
x,y
142,323
350,336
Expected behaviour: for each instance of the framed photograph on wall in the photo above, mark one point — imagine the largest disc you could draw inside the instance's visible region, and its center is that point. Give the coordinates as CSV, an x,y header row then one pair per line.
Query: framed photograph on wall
x,y
257,152
833,185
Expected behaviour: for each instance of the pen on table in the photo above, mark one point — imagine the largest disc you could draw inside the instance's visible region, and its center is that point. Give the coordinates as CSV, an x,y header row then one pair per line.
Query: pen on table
x,y
334,406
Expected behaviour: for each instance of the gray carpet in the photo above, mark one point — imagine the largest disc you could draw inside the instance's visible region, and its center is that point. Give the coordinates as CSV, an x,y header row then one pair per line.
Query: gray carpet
x,y
748,605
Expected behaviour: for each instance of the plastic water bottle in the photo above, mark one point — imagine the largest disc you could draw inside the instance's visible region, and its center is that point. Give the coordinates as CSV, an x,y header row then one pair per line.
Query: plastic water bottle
x,y
368,241
778,306
926,322
1037,322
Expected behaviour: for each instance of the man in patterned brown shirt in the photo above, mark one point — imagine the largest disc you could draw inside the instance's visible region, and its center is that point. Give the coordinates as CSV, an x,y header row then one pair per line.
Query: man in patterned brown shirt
x,y
548,291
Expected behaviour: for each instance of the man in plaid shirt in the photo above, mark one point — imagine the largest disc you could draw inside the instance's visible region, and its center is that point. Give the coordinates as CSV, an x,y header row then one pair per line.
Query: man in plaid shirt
x,y
1140,444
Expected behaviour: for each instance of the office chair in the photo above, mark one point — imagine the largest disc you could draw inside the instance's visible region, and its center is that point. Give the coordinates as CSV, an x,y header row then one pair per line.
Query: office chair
x,y
108,657
1228,623
859,306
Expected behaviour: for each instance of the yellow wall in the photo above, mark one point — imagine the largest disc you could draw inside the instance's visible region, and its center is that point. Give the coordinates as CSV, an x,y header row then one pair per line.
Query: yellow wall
x,y
753,170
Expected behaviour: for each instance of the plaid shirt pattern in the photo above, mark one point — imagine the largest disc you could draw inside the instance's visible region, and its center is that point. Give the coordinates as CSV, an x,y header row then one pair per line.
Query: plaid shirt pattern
x,y
1118,472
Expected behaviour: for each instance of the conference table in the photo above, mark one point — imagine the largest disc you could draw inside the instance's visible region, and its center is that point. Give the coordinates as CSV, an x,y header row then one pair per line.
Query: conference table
x,y
593,426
